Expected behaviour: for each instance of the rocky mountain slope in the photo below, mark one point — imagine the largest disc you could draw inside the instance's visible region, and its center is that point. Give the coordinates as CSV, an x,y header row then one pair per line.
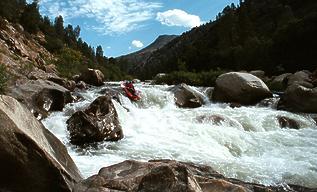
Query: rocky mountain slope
x,y
22,54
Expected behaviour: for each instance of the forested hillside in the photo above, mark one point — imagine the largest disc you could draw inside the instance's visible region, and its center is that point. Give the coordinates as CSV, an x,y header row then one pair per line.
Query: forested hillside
x,y
273,35
71,54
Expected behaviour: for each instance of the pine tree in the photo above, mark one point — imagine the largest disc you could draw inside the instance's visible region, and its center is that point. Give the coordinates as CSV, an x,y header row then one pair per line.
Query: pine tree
x,y
59,27
99,55
31,17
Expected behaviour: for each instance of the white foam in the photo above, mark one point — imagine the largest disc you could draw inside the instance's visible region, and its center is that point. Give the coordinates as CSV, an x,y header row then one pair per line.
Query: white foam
x,y
253,148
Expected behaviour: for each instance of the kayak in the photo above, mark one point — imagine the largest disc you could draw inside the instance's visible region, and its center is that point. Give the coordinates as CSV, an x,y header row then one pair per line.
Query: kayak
x,y
131,96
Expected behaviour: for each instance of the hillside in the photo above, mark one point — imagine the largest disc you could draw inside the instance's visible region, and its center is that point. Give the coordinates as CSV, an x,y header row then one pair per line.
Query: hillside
x,y
274,35
139,58
34,47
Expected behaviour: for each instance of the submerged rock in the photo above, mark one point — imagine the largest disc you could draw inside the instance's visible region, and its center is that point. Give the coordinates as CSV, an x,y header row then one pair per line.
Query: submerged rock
x,y
41,96
168,176
93,77
186,97
242,88
32,158
97,123
286,122
216,120
113,92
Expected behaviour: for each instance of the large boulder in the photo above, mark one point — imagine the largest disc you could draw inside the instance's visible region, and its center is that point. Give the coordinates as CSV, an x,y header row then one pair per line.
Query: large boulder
x,y
168,176
153,176
41,96
279,83
260,74
240,88
32,158
93,77
186,97
313,78
97,123
300,78
68,84
298,98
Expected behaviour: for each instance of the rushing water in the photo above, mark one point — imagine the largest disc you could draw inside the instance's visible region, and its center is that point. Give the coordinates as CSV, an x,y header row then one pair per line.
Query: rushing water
x,y
249,145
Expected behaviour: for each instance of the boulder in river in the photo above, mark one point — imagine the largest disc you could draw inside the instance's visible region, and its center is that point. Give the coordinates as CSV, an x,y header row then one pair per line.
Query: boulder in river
x,y
242,88
97,123
41,96
32,158
300,78
279,83
298,98
186,97
260,74
286,122
168,176
93,77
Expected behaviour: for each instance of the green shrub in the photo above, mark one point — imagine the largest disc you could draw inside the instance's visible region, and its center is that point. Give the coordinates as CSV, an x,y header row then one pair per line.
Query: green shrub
x,y
3,78
70,62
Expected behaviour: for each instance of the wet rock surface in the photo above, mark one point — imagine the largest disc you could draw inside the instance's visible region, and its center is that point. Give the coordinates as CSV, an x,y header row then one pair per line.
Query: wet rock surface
x,y
216,120
286,122
166,176
186,97
32,158
242,88
97,123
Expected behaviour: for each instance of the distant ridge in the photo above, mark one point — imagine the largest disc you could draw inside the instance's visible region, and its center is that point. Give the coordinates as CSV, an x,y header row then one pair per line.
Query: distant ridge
x,y
140,57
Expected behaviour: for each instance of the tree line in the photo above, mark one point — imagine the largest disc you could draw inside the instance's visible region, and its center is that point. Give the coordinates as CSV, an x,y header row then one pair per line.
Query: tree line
x,y
276,36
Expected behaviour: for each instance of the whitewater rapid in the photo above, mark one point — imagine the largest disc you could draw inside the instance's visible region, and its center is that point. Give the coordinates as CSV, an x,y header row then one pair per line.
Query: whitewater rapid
x,y
249,145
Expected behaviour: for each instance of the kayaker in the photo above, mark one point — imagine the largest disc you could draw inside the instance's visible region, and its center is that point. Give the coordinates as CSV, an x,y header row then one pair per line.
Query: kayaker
x,y
130,87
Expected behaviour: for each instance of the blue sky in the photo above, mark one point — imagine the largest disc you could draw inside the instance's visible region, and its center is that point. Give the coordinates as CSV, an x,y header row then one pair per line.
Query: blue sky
x,y
124,26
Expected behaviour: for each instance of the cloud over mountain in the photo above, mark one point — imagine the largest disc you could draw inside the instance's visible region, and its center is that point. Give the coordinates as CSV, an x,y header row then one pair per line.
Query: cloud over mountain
x,y
177,17
137,43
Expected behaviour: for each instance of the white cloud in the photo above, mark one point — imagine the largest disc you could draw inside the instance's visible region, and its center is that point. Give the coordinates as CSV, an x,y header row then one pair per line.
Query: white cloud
x,y
137,43
177,17
109,16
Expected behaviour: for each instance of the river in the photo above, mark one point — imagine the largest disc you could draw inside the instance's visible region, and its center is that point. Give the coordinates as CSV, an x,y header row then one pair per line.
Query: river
x,y
249,145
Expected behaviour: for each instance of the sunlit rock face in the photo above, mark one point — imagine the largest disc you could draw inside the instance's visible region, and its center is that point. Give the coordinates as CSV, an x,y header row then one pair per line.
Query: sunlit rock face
x,y
166,176
242,88
32,158
41,96
92,77
97,123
